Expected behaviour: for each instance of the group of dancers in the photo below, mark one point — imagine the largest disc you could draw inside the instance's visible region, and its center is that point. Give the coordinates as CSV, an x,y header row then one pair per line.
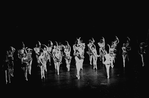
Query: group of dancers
x,y
46,53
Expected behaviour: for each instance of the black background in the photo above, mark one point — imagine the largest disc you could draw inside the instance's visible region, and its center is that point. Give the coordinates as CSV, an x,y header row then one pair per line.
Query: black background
x,y
30,23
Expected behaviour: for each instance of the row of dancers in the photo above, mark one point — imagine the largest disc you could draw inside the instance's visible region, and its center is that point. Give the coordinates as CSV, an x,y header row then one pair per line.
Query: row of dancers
x,y
46,53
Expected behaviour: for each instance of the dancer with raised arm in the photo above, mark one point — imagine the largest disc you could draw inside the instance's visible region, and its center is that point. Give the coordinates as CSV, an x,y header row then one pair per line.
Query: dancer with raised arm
x,y
57,56
37,50
112,51
9,65
40,59
49,51
92,52
109,57
79,55
107,62
102,50
89,52
25,54
43,58
28,61
67,51
125,49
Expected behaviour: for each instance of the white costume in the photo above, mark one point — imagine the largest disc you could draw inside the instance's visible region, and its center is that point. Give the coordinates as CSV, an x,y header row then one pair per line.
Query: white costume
x,y
92,54
43,58
102,50
25,54
79,56
67,51
112,50
109,58
57,57
49,51
28,61
107,63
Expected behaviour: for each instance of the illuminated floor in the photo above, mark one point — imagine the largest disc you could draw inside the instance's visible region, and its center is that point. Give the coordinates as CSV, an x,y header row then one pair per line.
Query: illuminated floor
x,y
121,83
68,80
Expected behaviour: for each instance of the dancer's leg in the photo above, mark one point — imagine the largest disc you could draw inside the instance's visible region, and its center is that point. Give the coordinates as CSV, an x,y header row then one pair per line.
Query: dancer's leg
x,y
123,61
77,67
78,70
67,65
41,70
29,69
9,75
112,61
45,67
26,69
142,59
6,78
108,70
95,63
81,63
57,68
91,57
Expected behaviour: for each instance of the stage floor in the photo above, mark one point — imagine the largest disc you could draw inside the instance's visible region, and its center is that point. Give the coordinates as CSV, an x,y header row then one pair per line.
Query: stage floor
x,y
122,82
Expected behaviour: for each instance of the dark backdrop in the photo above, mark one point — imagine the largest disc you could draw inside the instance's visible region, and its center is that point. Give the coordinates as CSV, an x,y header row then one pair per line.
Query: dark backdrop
x,y
56,23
